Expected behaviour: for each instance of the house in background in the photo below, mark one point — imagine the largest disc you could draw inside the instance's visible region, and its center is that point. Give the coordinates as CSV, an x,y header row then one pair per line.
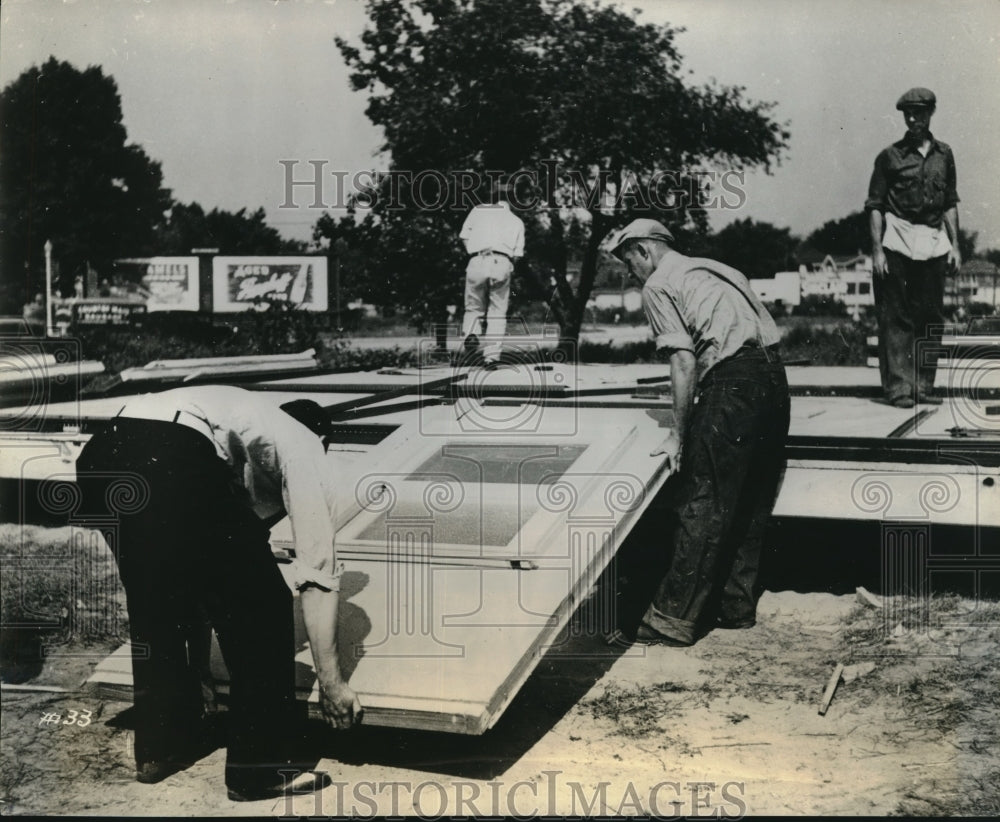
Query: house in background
x,y
625,300
976,283
844,278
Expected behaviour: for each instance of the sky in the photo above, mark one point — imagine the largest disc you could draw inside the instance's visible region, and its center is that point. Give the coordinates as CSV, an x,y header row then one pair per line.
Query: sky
x,y
220,91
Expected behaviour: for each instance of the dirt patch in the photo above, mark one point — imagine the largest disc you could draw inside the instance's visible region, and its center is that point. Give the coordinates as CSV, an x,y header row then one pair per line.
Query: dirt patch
x,y
727,726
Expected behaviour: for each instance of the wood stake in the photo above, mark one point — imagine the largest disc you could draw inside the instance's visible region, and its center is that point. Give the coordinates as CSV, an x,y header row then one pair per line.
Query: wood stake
x,y
831,688
48,689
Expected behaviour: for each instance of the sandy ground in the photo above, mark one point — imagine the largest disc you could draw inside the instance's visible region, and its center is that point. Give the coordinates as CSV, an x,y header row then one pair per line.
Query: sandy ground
x,y
728,726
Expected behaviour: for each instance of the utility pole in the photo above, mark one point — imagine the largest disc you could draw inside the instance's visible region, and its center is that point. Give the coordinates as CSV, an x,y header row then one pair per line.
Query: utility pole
x,y
340,247
995,271
49,329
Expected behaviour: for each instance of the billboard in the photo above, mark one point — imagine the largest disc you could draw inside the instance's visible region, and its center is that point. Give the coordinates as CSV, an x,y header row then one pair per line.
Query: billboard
x,y
239,283
167,283
103,311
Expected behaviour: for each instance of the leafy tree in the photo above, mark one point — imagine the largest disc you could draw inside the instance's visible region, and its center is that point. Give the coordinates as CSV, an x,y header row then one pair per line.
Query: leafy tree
x,y
967,243
843,237
757,249
586,97
69,175
188,226
397,259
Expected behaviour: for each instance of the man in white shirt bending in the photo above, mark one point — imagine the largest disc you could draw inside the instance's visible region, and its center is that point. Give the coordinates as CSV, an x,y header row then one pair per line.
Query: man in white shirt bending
x,y
193,478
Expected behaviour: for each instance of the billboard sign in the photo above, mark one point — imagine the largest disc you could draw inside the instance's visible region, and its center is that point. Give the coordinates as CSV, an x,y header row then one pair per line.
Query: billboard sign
x,y
239,283
105,311
166,283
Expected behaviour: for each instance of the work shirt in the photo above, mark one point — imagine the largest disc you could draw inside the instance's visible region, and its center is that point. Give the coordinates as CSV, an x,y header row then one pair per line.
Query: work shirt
x,y
705,307
279,463
914,188
493,228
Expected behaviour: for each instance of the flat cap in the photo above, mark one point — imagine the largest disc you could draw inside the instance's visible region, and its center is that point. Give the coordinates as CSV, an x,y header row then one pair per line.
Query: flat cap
x,y
642,229
917,97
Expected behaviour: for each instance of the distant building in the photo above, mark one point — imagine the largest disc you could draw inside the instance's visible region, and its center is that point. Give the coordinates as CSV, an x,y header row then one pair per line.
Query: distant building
x,y
844,278
784,288
976,283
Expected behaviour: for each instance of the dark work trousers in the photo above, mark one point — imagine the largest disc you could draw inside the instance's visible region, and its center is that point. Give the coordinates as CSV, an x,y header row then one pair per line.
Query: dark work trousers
x,y
731,466
187,542
909,301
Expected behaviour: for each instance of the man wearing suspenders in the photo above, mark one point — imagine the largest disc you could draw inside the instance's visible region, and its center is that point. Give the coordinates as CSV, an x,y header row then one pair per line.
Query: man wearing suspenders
x,y
731,409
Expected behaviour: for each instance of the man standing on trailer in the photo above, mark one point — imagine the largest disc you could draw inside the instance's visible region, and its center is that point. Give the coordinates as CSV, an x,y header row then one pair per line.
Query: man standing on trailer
x,y
913,216
195,477
731,415
494,240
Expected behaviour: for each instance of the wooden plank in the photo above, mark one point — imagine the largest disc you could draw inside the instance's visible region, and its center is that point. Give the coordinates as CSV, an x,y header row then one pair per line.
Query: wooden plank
x,y
971,340
831,688
14,380
949,494
246,359
220,372
285,551
432,387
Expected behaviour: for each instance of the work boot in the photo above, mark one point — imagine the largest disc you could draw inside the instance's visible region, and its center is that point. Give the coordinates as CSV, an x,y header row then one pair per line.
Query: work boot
x,y
647,635
736,624
305,783
204,737
149,773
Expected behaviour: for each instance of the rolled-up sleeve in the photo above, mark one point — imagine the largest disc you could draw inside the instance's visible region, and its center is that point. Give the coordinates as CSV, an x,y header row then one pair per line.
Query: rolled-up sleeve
x,y
878,186
665,320
310,500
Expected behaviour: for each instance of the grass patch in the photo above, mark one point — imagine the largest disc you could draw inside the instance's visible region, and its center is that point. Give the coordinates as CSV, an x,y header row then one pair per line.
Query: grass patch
x,y
868,627
57,585
840,343
638,710
975,795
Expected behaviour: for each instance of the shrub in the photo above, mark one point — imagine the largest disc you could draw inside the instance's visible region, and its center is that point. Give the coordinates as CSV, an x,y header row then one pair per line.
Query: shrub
x,y
56,584
277,329
843,344
632,352
606,316
776,309
976,309
816,305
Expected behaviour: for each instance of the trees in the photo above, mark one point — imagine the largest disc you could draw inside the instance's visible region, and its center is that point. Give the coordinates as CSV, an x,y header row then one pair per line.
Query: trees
x,y
851,235
757,249
848,235
188,226
68,174
397,259
586,101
